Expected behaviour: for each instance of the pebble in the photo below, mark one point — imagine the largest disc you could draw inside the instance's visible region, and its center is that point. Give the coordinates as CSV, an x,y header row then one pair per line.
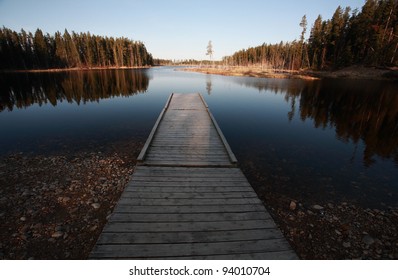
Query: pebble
x,y
23,219
96,205
317,207
346,244
63,199
292,205
59,228
368,240
57,234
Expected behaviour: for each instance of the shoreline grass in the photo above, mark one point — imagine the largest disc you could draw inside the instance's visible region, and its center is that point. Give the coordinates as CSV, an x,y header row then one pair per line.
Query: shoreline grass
x,y
353,72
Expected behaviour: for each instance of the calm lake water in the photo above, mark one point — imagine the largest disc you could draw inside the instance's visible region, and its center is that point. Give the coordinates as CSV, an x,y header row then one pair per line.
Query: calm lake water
x,y
311,140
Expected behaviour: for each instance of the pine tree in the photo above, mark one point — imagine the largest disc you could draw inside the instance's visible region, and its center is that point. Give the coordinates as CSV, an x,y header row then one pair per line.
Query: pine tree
x,y
315,42
89,52
365,35
337,23
41,51
73,58
27,46
303,47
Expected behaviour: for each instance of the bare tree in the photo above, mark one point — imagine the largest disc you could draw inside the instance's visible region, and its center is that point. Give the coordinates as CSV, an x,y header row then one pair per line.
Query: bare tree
x,y
210,50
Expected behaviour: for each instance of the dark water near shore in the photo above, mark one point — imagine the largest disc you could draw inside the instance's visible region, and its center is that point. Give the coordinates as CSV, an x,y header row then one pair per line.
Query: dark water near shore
x,y
317,141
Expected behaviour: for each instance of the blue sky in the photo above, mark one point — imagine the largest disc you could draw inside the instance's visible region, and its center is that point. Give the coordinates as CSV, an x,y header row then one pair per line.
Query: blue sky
x,y
174,29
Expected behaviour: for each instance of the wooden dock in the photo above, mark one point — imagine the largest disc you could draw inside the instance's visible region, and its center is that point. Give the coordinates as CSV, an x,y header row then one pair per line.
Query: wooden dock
x,y
187,199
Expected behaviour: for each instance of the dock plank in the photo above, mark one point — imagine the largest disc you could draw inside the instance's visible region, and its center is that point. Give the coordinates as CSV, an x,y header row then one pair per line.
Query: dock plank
x,y
122,208
190,195
189,217
188,226
189,249
183,190
187,201
188,237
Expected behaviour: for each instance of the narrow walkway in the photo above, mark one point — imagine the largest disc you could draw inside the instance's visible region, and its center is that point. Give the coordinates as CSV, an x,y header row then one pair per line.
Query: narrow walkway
x,y
187,199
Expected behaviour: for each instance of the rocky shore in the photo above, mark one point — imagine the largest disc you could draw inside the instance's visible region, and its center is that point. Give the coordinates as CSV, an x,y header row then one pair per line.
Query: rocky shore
x,y
337,231
55,206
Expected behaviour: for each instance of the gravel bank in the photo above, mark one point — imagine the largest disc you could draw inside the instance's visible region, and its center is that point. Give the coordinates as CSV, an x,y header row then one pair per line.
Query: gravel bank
x,y
55,206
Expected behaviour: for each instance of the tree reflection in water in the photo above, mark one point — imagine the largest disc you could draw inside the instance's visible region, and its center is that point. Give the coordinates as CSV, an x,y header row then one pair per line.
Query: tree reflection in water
x,y
23,90
368,113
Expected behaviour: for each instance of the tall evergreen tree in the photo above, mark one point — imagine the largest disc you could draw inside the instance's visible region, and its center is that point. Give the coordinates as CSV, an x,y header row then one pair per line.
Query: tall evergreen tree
x,y
61,56
40,49
303,47
315,42
73,58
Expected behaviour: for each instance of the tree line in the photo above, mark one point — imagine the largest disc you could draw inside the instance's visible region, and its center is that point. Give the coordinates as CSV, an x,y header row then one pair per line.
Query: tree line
x,y
368,37
24,50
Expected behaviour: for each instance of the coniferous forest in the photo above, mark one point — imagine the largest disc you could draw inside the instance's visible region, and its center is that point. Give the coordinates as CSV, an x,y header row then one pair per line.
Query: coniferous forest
x,y
24,51
366,37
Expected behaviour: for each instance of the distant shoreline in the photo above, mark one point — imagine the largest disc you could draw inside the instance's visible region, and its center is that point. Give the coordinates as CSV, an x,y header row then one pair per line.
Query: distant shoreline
x,y
73,69
352,72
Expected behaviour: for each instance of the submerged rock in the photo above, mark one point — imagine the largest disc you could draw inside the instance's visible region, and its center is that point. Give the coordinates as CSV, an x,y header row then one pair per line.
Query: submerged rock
x,y
57,234
96,205
317,207
346,244
368,240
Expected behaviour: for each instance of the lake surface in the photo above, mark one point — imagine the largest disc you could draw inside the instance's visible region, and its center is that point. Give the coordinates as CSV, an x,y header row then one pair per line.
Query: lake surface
x,y
310,140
